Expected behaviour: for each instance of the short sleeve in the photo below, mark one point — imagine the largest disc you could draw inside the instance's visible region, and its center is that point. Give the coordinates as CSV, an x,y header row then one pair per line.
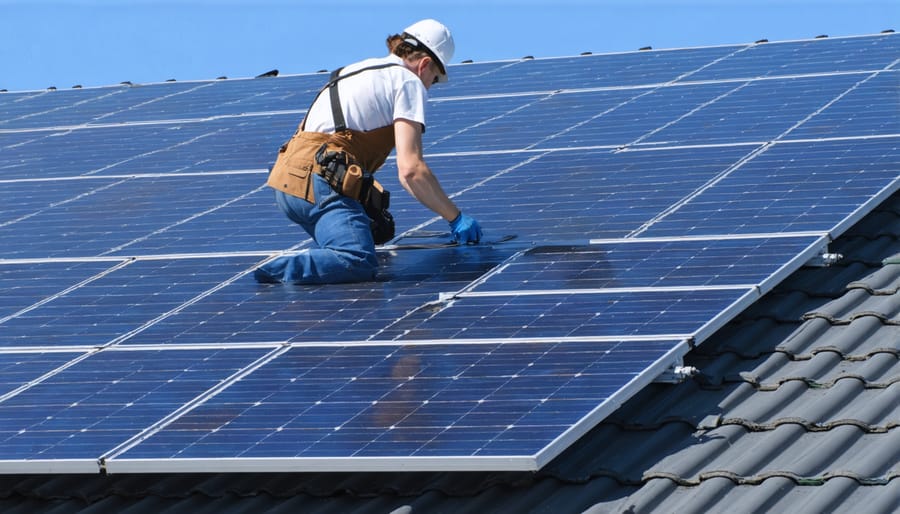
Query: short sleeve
x,y
409,101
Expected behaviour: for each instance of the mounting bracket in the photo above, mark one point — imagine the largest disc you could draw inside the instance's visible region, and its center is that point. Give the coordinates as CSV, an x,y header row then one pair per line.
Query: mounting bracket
x,y
677,373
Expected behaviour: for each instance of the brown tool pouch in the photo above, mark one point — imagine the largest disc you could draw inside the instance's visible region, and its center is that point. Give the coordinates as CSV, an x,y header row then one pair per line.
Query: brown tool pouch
x,y
295,165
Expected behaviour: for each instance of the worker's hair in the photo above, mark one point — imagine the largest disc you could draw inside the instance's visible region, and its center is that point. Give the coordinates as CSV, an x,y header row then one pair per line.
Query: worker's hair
x,y
398,45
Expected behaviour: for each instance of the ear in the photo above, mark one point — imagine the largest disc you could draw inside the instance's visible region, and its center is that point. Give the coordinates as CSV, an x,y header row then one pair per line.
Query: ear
x,y
423,64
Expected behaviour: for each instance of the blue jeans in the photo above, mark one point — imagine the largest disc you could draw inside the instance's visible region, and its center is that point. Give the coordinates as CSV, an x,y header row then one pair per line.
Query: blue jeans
x,y
340,228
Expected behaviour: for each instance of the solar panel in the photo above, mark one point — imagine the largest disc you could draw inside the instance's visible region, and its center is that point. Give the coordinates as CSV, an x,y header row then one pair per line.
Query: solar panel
x,y
631,264
635,69
170,103
825,55
81,411
419,406
17,370
860,112
792,187
633,204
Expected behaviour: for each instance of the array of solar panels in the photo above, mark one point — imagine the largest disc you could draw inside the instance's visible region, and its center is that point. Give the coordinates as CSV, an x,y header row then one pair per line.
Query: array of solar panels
x,y
653,196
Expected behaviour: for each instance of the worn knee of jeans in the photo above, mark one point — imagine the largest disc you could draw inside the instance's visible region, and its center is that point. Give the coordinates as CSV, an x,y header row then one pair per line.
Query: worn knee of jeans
x,y
360,264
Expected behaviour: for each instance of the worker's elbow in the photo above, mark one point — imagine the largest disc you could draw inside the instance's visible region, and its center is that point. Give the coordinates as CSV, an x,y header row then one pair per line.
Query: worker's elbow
x,y
410,173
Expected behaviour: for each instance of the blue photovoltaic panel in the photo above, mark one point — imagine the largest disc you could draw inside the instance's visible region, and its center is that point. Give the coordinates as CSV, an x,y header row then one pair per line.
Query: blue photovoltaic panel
x,y
18,369
115,304
411,402
742,112
217,145
532,122
631,203
443,119
638,118
566,196
246,312
41,109
21,200
864,111
24,166
746,114
792,187
94,106
628,69
91,407
24,285
255,225
799,57
567,314
675,263
196,146
226,98
156,102
145,213
10,140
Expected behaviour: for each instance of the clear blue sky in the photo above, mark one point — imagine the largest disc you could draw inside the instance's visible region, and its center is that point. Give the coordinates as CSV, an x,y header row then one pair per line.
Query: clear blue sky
x,y
101,42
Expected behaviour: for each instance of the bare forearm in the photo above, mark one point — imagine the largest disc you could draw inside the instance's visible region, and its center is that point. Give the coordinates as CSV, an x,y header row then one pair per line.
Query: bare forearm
x,y
425,188
415,176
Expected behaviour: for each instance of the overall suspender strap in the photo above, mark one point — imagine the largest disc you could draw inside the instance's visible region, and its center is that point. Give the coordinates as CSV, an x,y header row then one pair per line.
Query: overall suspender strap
x,y
336,112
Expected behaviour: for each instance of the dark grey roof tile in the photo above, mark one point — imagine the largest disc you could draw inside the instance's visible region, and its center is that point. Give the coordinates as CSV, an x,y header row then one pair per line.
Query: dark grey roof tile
x,y
880,223
783,306
885,281
788,450
859,339
746,337
690,403
618,452
795,399
653,493
823,369
818,408
856,304
776,494
830,282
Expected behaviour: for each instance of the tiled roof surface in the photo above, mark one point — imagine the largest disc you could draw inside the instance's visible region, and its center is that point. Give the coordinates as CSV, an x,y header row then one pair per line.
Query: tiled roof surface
x,y
795,410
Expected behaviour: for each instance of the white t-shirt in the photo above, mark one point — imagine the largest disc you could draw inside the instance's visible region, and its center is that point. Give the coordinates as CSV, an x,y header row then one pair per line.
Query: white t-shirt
x,y
372,99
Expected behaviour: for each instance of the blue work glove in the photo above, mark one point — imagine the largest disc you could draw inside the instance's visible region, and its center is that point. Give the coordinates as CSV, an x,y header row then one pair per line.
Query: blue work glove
x,y
465,229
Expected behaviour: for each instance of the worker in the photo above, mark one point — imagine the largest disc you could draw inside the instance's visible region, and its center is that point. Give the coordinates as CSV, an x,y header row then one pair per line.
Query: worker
x,y
323,175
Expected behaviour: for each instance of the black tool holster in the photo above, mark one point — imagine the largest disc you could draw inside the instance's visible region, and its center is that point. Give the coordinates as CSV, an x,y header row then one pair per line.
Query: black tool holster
x,y
376,203
343,175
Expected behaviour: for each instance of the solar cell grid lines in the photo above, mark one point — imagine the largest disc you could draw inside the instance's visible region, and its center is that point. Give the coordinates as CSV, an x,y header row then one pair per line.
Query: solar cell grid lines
x,y
649,197
860,112
431,402
164,102
824,55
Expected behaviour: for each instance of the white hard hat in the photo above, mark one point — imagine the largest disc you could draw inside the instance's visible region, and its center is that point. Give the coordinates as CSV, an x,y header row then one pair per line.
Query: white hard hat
x,y
436,40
